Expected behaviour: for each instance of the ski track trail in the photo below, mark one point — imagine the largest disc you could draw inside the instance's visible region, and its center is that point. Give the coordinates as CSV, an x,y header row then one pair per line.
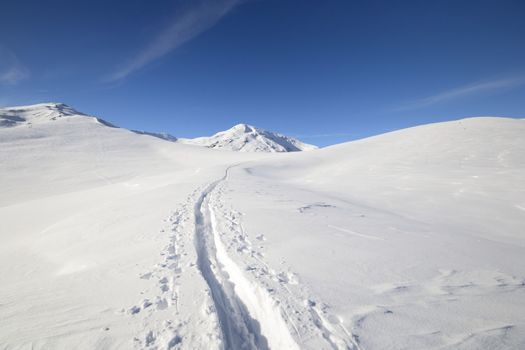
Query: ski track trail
x,y
207,299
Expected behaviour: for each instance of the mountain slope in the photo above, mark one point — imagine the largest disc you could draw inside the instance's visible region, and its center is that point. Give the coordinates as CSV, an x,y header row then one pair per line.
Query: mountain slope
x,y
407,240
160,135
247,138
86,210
39,113
422,227
42,113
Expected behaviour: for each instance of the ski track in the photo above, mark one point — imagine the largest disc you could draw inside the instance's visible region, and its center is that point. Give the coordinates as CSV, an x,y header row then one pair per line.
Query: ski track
x,y
245,305
238,329
235,298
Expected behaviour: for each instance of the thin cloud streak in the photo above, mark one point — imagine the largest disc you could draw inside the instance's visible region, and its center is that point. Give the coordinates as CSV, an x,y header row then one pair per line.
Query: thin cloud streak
x,y
12,71
464,91
186,25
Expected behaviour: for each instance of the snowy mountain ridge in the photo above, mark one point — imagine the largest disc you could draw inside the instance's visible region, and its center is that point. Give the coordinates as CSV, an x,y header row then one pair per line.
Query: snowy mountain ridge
x,y
241,137
38,113
42,113
247,138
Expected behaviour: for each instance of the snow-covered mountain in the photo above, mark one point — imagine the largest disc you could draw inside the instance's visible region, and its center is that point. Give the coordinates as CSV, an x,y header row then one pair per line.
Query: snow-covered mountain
x,y
38,113
42,113
407,240
241,137
247,138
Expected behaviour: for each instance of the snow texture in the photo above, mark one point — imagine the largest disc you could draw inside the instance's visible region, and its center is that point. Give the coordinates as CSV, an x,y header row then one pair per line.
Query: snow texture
x,y
118,240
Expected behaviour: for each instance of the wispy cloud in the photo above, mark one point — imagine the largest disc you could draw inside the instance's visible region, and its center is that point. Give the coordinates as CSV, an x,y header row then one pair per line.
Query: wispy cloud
x,y
189,22
464,91
12,71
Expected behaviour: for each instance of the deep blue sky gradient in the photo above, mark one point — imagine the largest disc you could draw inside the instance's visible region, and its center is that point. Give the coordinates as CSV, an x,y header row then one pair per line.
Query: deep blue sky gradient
x,y
326,71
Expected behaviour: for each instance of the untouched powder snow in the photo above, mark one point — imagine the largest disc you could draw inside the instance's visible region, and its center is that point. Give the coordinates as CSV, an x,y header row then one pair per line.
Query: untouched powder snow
x,y
116,240
247,138
411,240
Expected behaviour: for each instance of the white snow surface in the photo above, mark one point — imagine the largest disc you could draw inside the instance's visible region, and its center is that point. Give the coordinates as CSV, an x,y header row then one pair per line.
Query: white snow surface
x,y
114,240
247,138
160,135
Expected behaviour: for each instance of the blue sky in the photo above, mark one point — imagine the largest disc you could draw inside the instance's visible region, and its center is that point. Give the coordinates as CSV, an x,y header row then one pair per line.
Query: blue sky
x,y
325,71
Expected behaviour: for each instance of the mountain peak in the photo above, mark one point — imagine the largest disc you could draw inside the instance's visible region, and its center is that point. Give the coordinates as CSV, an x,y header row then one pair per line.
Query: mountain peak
x,y
247,138
245,128
41,113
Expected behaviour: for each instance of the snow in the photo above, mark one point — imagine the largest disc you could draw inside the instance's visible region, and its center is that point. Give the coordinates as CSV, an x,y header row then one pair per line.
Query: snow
x,y
247,138
412,239
160,135
407,240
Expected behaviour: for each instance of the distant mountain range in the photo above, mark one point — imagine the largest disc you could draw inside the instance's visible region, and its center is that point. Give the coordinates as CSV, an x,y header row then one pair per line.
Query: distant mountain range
x,y
240,138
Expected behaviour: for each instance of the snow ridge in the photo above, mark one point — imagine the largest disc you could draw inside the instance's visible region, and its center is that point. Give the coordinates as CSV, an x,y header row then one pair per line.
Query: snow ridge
x,y
247,138
242,137
41,113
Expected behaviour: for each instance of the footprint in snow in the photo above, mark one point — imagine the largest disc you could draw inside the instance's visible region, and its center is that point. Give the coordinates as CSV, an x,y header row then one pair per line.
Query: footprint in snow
x,y
161,303
146,303
134,310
